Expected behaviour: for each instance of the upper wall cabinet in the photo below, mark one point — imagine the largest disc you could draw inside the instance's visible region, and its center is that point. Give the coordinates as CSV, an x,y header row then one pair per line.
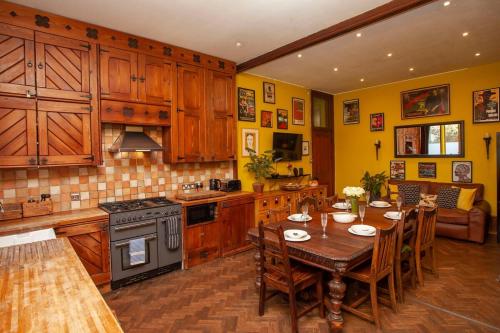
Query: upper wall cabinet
x,y
156,80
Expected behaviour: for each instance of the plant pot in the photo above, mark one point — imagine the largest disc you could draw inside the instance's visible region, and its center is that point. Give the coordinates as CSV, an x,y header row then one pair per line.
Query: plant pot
x,y
258,187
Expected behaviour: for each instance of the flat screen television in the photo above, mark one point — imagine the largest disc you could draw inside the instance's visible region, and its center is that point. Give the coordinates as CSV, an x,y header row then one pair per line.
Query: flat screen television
x,y
287,146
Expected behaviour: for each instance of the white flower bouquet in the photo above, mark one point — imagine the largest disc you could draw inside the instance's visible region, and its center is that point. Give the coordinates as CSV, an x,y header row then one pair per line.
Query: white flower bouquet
x,y
352,191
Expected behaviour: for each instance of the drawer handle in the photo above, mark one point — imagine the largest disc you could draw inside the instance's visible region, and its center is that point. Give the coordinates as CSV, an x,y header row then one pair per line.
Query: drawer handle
x,y
276,200
128,112
133,226
32,161
163,115
264,203
147,239
134,78
204,254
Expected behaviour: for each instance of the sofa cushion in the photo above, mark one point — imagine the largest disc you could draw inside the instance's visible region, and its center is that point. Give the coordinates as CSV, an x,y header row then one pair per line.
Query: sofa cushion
x,y
410,193
434,187
453,216
447,197
466,198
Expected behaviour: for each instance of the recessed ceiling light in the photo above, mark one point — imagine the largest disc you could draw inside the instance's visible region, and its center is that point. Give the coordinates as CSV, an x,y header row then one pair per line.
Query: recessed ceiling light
x,y
362,80
299,55
446,3
238,44
336,69
411,69
477,54
358,34
389,55
465,34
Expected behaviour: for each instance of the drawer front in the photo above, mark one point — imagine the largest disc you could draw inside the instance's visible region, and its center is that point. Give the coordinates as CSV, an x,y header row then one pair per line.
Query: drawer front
x,y
264,217
264,203
135,114
201,255
276,201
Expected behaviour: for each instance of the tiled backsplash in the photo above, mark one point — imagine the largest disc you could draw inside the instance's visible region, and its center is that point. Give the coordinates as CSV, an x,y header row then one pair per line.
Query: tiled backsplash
x,y
123,176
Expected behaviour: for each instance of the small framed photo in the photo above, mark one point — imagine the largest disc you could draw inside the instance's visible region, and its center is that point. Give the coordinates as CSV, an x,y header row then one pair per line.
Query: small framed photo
x,y
249,139
305,148
485,105
461,171
298,107
246,104
269,92
427,170
282,116
398,170
351,112
425,102
266,119
376,122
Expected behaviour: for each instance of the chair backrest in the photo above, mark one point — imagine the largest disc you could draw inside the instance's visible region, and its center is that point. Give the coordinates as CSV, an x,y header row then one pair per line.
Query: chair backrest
x,y
426,227
383,250
279,214
405,230
311,201
273,252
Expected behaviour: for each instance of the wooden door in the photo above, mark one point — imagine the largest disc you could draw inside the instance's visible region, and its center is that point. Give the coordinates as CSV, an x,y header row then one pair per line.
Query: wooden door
x,y
91,243
118,74
191,113
64,133
202,244
156,80
64,67
220,116
237,217
17,61
323,160
17,132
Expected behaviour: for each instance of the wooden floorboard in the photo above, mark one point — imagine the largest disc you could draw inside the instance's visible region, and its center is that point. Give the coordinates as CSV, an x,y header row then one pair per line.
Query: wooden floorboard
x,y
220,297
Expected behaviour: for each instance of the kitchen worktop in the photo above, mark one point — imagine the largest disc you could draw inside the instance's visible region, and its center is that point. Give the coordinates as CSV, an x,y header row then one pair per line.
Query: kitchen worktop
x,y
45,288
228,196
50,221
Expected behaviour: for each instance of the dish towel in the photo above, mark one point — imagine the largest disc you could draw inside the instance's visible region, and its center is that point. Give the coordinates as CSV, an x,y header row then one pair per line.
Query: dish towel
x,y
172,236
137,251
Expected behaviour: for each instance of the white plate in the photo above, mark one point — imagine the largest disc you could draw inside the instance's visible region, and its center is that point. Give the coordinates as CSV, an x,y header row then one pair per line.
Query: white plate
x,y
363,229
295,233
392,215
308,237
298,218
340,205
380,204
355,233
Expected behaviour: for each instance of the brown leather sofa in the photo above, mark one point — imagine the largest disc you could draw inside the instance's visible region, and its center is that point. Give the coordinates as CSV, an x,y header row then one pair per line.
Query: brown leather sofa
x,y
457,223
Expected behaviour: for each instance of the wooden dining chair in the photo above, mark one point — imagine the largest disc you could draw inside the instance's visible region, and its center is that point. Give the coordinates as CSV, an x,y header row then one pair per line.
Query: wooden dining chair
x,y
425,241
279,214
331,200
381,266
277,272
404,256
311,201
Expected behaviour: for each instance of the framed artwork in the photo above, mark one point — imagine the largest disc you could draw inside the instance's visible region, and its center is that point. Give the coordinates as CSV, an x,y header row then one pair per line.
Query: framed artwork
x,y
351,112
305,148
461,171
266,119
427,170
485,105
298,107
282,116
376,122
249,139
246,104
269,92
425,102
398,170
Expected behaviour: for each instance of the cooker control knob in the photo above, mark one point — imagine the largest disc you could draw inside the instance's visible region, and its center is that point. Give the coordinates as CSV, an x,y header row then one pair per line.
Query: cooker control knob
x,y
124,219
129,219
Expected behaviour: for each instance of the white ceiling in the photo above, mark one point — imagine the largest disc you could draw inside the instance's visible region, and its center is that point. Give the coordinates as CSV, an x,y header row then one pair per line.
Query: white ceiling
x,y
212,26
428,38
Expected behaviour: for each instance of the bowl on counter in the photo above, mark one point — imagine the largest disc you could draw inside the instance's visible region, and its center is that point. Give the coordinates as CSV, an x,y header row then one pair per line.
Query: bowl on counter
x,y
344,217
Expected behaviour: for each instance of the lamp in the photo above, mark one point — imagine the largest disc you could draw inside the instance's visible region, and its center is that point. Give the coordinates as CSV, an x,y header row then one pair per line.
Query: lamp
x,y
487,141
377,147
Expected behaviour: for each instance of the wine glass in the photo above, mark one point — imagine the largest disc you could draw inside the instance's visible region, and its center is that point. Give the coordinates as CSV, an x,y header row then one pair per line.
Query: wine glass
x,y
347,200
305,210
362,210
324,222
367,196
399,202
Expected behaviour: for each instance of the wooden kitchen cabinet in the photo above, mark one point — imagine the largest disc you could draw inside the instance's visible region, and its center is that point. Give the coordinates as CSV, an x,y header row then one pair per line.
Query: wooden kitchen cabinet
x,y
156,79
237,216
201,243
91,243
118,69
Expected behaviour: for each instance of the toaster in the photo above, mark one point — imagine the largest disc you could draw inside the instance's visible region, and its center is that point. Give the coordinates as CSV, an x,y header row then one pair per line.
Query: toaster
x,y
230,185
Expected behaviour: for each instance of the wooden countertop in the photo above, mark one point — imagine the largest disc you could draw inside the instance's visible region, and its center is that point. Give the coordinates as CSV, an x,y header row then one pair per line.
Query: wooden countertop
x,y
51,221
229,196
45,288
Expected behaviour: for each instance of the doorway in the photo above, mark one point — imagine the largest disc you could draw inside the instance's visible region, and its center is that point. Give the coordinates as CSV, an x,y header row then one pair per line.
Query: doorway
x,y
498,186
323,158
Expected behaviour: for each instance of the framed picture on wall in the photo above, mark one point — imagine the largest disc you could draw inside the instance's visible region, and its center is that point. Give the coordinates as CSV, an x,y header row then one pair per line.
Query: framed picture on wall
x,y
461,171
298,106
246,104
269,92
398,170
351,112
376,122
249,139
282,116
425,102
266,119
305,148
485,105
427,170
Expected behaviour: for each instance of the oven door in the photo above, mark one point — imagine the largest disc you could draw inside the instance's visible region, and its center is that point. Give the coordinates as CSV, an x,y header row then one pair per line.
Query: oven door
x,y
120,258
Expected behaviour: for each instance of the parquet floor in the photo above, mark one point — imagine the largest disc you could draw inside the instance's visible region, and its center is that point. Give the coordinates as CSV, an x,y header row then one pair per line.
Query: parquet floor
x,y
220,297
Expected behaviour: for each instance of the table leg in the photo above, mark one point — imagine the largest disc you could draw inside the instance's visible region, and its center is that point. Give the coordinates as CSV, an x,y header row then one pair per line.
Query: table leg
x,y
258,269
337,291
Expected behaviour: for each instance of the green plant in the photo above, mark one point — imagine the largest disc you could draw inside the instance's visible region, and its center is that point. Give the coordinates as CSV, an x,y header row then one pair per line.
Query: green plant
x,y
260,165
374,183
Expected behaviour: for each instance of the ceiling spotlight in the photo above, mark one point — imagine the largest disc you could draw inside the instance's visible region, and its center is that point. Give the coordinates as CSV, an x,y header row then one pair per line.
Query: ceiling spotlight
x,y
362,80
335,69
238,44
358,34
389,55
446,3
299,55
465,34
477,54
411,69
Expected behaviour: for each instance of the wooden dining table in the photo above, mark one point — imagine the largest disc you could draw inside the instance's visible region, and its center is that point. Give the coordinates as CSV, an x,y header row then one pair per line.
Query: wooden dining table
x,y
338,253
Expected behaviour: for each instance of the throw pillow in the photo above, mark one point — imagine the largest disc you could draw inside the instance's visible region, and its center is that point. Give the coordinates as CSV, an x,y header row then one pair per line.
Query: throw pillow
x,y
410,193
466,198
393,191
447,197
427,200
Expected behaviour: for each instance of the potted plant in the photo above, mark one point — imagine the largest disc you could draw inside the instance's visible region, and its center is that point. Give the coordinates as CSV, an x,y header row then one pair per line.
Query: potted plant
x,y
374,183
261,166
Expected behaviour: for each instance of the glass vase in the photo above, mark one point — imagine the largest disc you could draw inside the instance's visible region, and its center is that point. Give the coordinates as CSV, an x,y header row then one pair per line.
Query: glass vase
x,y
354,205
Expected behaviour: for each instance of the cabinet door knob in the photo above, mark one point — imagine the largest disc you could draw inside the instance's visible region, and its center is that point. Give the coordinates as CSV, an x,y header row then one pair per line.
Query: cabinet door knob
x,y
32,161
40,65
134,78
142,79
29,64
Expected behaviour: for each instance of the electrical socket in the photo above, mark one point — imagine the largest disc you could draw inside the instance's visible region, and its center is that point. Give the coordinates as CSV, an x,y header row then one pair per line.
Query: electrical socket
x,y
75,196
189,186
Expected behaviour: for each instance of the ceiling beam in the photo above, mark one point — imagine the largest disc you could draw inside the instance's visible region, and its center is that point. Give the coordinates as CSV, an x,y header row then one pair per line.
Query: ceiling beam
x,y
374,15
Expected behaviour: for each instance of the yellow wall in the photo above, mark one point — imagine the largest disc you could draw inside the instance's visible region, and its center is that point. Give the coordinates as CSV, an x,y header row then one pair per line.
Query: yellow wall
x,y
354,144
284,94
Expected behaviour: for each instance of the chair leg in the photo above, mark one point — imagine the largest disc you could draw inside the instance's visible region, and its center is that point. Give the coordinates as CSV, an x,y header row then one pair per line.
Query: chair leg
x,y
434,262
374,301
413,271
262,297
320,296
392,292
418,266
293,311
399,281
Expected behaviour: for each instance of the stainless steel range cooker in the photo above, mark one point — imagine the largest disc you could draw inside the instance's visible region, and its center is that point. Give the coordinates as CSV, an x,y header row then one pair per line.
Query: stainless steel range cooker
x,y
158,222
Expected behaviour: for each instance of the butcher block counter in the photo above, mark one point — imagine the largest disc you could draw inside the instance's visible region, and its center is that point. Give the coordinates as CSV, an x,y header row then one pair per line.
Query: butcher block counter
x,y
224,197
45,288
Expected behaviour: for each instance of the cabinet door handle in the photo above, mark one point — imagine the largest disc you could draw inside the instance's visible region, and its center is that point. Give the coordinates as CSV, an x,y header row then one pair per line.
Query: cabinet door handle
x,y
29,64
142,79
163,115
32,161
128,112
204,254
264,203
134,78
40,65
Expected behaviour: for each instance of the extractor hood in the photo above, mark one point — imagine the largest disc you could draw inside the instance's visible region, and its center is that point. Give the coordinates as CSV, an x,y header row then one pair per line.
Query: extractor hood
x,y
134,139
